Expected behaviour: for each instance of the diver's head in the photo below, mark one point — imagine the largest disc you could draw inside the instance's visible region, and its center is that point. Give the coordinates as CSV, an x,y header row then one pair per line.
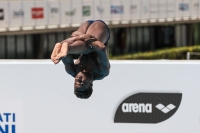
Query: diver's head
x,y
83,84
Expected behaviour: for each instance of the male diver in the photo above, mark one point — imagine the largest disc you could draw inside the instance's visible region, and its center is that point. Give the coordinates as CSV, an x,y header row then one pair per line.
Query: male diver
x,y
90,41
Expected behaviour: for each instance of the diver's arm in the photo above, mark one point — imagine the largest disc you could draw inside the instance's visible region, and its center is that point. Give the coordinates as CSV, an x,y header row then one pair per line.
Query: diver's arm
x,y
69,65
102,58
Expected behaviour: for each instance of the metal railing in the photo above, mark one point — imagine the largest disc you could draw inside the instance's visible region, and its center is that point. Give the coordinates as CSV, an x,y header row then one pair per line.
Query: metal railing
x,y
192,53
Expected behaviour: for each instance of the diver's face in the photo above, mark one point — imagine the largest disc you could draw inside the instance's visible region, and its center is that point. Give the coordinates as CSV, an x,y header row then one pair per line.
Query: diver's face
x,y
82,81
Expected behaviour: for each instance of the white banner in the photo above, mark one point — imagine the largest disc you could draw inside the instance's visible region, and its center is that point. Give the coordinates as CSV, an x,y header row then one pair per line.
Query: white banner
x,y
135,9
162,9
39,13
153,9
16,13
179,8
195,8
3,14
144,9
88,10
53,13
127,8
66,12
171,6
27,7
116,9
186,8
77,9
98,10
106,10
50,106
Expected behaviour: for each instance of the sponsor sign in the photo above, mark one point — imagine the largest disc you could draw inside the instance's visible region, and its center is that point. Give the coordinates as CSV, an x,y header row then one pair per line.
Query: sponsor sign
x,y
186,8
53,13
116,9
183,6
71,12
28,14
135,9
1,14
37,13
16,13
148,108
179,9
86,10
144,9
54,10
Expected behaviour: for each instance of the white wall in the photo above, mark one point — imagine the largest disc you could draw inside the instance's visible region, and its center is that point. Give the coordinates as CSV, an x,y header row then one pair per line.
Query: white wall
x,y
43,93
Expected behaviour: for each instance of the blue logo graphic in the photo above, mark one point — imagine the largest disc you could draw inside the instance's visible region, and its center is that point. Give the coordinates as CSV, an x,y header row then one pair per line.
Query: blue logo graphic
x,y
117,9
5,120
183,6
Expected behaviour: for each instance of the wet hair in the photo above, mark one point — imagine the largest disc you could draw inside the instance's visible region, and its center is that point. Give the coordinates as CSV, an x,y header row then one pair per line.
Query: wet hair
x,y
84,94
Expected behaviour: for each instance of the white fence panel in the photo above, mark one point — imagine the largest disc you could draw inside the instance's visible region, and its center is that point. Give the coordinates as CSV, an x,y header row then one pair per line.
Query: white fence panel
x,y
135,9
77,17
98,10
195,8
179,9
53,13
88,10
127,9
16,14
39,13
116,9
187,8
171,8
162,9
66,12
106,15
28,17
144,9
153,9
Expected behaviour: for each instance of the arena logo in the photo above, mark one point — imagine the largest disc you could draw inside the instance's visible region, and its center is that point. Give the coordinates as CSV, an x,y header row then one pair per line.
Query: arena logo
x,y
7,123
148,108
1,14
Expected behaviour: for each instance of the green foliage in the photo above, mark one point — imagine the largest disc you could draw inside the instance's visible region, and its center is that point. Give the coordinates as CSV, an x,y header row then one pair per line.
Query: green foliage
x,y
178,53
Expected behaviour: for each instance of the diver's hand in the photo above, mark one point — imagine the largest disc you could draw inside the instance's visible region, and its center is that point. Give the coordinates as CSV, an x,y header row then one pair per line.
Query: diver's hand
x,y
60,51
